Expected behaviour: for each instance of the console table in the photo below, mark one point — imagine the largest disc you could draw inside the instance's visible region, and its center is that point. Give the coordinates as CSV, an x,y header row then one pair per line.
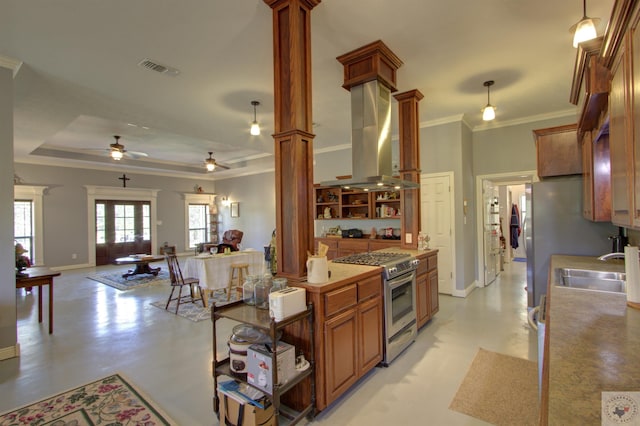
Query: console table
x,y
38,277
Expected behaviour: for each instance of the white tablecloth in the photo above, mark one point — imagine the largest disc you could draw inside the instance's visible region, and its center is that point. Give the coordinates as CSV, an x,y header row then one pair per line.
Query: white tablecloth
x,y
213,270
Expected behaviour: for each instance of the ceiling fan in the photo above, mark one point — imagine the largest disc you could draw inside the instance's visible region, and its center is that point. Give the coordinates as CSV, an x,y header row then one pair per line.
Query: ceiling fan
x,y
116,151
211,164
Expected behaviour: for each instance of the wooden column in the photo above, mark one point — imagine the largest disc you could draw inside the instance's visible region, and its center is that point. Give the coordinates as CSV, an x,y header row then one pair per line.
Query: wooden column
x,y
293,138
409,126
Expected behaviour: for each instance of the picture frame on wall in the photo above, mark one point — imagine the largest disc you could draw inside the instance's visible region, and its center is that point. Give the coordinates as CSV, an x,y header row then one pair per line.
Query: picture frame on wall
x,y
235,210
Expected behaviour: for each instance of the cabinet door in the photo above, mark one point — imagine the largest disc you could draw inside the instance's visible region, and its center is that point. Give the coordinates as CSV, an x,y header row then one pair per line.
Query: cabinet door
x,y
558,151
587,176
370,331
422,299
341,353
433,293
619,140
635,148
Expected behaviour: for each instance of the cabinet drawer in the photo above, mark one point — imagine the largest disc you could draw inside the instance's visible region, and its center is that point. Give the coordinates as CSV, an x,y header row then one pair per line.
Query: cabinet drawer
x,y
423,266
432,262
371,287
341,299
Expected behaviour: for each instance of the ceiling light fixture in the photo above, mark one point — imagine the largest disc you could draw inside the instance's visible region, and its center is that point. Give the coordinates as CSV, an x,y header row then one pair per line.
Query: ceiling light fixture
x,y
255,127
117,150
210,163
585,29
488,112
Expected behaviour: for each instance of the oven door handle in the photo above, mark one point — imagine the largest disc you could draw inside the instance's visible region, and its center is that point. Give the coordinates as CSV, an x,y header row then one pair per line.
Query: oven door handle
x,y
405,278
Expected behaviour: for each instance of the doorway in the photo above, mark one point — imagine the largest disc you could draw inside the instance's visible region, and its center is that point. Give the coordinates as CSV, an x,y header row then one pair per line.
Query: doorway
x,y
501,181
122,228
126,195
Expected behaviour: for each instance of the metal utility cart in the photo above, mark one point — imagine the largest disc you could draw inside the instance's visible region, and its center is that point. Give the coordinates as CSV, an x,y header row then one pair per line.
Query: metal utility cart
x,y
259,318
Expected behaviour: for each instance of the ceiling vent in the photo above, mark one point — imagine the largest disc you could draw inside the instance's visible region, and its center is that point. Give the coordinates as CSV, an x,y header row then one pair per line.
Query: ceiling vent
x,y
162,69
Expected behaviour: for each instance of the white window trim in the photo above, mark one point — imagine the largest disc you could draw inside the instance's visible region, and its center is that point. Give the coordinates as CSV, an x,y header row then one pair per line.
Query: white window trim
x,y
34,193
114,193
190,198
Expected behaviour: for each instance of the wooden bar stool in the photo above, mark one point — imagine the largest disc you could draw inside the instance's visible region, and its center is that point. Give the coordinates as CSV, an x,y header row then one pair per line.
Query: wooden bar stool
x,y
239,271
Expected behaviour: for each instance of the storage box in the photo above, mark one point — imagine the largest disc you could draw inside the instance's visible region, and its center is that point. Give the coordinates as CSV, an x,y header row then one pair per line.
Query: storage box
x,y
234,413
286,302
259,365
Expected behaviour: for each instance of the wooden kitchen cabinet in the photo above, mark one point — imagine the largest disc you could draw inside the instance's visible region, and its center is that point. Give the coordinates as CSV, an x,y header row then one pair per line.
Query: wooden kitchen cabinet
x,y
558,151
620,137
349,336
427,298
596,202
356,204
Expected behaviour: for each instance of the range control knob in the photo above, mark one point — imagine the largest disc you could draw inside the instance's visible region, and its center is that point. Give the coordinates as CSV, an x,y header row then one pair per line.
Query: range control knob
x,y
393,270
415,262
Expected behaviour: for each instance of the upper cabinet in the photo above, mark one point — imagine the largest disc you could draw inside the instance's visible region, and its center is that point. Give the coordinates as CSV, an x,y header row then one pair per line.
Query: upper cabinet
x,y
558,151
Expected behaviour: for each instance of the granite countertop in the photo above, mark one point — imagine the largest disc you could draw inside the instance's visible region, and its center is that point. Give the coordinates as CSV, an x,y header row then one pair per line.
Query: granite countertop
x,y
343,272
594,345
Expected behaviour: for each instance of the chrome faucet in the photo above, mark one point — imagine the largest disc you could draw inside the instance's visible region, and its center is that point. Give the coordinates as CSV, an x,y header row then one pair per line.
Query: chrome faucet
x,y
608,256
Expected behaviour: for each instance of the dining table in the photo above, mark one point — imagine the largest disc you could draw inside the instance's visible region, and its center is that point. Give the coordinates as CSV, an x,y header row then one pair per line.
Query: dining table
x,y
213,270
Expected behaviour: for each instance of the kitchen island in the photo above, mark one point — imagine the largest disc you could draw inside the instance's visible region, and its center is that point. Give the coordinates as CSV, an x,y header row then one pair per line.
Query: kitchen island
x,y
592,345
349,324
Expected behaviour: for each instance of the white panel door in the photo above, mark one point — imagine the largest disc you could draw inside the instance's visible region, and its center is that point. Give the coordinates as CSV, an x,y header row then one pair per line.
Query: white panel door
x,y
436,195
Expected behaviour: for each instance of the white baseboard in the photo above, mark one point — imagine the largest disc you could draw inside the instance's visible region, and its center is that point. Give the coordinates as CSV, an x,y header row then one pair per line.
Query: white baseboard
x,y
10,352
466,291
68,267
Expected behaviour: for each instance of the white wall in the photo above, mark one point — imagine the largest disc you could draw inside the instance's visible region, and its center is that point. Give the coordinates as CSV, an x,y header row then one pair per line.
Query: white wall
x,y
8,331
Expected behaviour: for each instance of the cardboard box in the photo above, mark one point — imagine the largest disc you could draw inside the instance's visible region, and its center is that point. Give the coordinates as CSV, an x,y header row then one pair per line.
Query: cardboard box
x,y
231,414
259,365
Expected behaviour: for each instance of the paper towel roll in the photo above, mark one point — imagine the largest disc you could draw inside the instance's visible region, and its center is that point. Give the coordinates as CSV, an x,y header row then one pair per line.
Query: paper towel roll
x,y
632,271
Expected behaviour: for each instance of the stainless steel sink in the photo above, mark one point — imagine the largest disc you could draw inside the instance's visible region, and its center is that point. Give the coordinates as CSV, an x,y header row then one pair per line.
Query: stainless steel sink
x,y
592,280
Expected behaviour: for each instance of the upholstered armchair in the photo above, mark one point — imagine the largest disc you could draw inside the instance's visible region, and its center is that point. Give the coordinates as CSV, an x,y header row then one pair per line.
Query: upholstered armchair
x,y
232,237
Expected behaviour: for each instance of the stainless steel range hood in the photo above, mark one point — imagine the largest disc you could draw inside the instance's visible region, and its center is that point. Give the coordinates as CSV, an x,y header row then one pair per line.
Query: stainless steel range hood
x,y
371,141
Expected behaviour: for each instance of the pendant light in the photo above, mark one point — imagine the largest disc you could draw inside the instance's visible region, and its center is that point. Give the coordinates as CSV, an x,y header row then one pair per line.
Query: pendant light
x,y
489,111
255,127
585,29
210,163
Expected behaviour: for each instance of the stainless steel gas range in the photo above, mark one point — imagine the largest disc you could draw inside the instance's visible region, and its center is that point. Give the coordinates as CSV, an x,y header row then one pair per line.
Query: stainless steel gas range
x,y
399,280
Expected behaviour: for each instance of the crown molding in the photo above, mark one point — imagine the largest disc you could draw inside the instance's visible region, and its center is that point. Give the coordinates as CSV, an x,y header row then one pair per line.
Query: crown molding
x,y
12,64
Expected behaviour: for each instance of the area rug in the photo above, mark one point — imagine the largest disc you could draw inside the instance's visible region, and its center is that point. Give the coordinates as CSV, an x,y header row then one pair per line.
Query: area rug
x,y
115,279
519,259
499,389
196,311
108,401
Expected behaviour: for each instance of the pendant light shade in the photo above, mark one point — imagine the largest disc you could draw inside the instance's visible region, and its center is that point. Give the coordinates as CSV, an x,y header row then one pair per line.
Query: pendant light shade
x,y
255,127
585,29
489,111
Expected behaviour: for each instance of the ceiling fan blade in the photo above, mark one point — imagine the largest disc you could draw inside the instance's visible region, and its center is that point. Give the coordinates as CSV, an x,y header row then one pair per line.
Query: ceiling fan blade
x,y
222,166
135,154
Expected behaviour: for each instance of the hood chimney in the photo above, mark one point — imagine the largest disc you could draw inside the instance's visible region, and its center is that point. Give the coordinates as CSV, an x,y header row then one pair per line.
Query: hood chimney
x,y
370,76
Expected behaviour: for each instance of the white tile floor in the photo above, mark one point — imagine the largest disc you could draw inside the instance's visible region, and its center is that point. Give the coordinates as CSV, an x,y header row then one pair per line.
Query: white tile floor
x,y
100,330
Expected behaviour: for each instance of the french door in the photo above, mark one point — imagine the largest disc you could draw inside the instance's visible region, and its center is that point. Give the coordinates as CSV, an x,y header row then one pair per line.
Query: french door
x,y
122,228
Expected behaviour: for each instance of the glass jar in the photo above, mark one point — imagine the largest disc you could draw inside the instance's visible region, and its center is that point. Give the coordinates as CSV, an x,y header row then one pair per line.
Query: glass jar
x,y
248,290
261,294
278,284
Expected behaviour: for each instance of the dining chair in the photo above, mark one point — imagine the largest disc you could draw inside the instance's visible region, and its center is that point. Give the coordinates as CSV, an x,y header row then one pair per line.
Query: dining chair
x,y
177,280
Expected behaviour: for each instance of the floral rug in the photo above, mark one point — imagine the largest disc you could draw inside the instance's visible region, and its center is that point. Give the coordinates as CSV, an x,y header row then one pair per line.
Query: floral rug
x,y
115,279
108,401
195,311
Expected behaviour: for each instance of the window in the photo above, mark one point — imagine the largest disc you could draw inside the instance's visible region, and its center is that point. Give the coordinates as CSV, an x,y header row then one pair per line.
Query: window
x,y
199,211
28,222
23,225
122,221
198,224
